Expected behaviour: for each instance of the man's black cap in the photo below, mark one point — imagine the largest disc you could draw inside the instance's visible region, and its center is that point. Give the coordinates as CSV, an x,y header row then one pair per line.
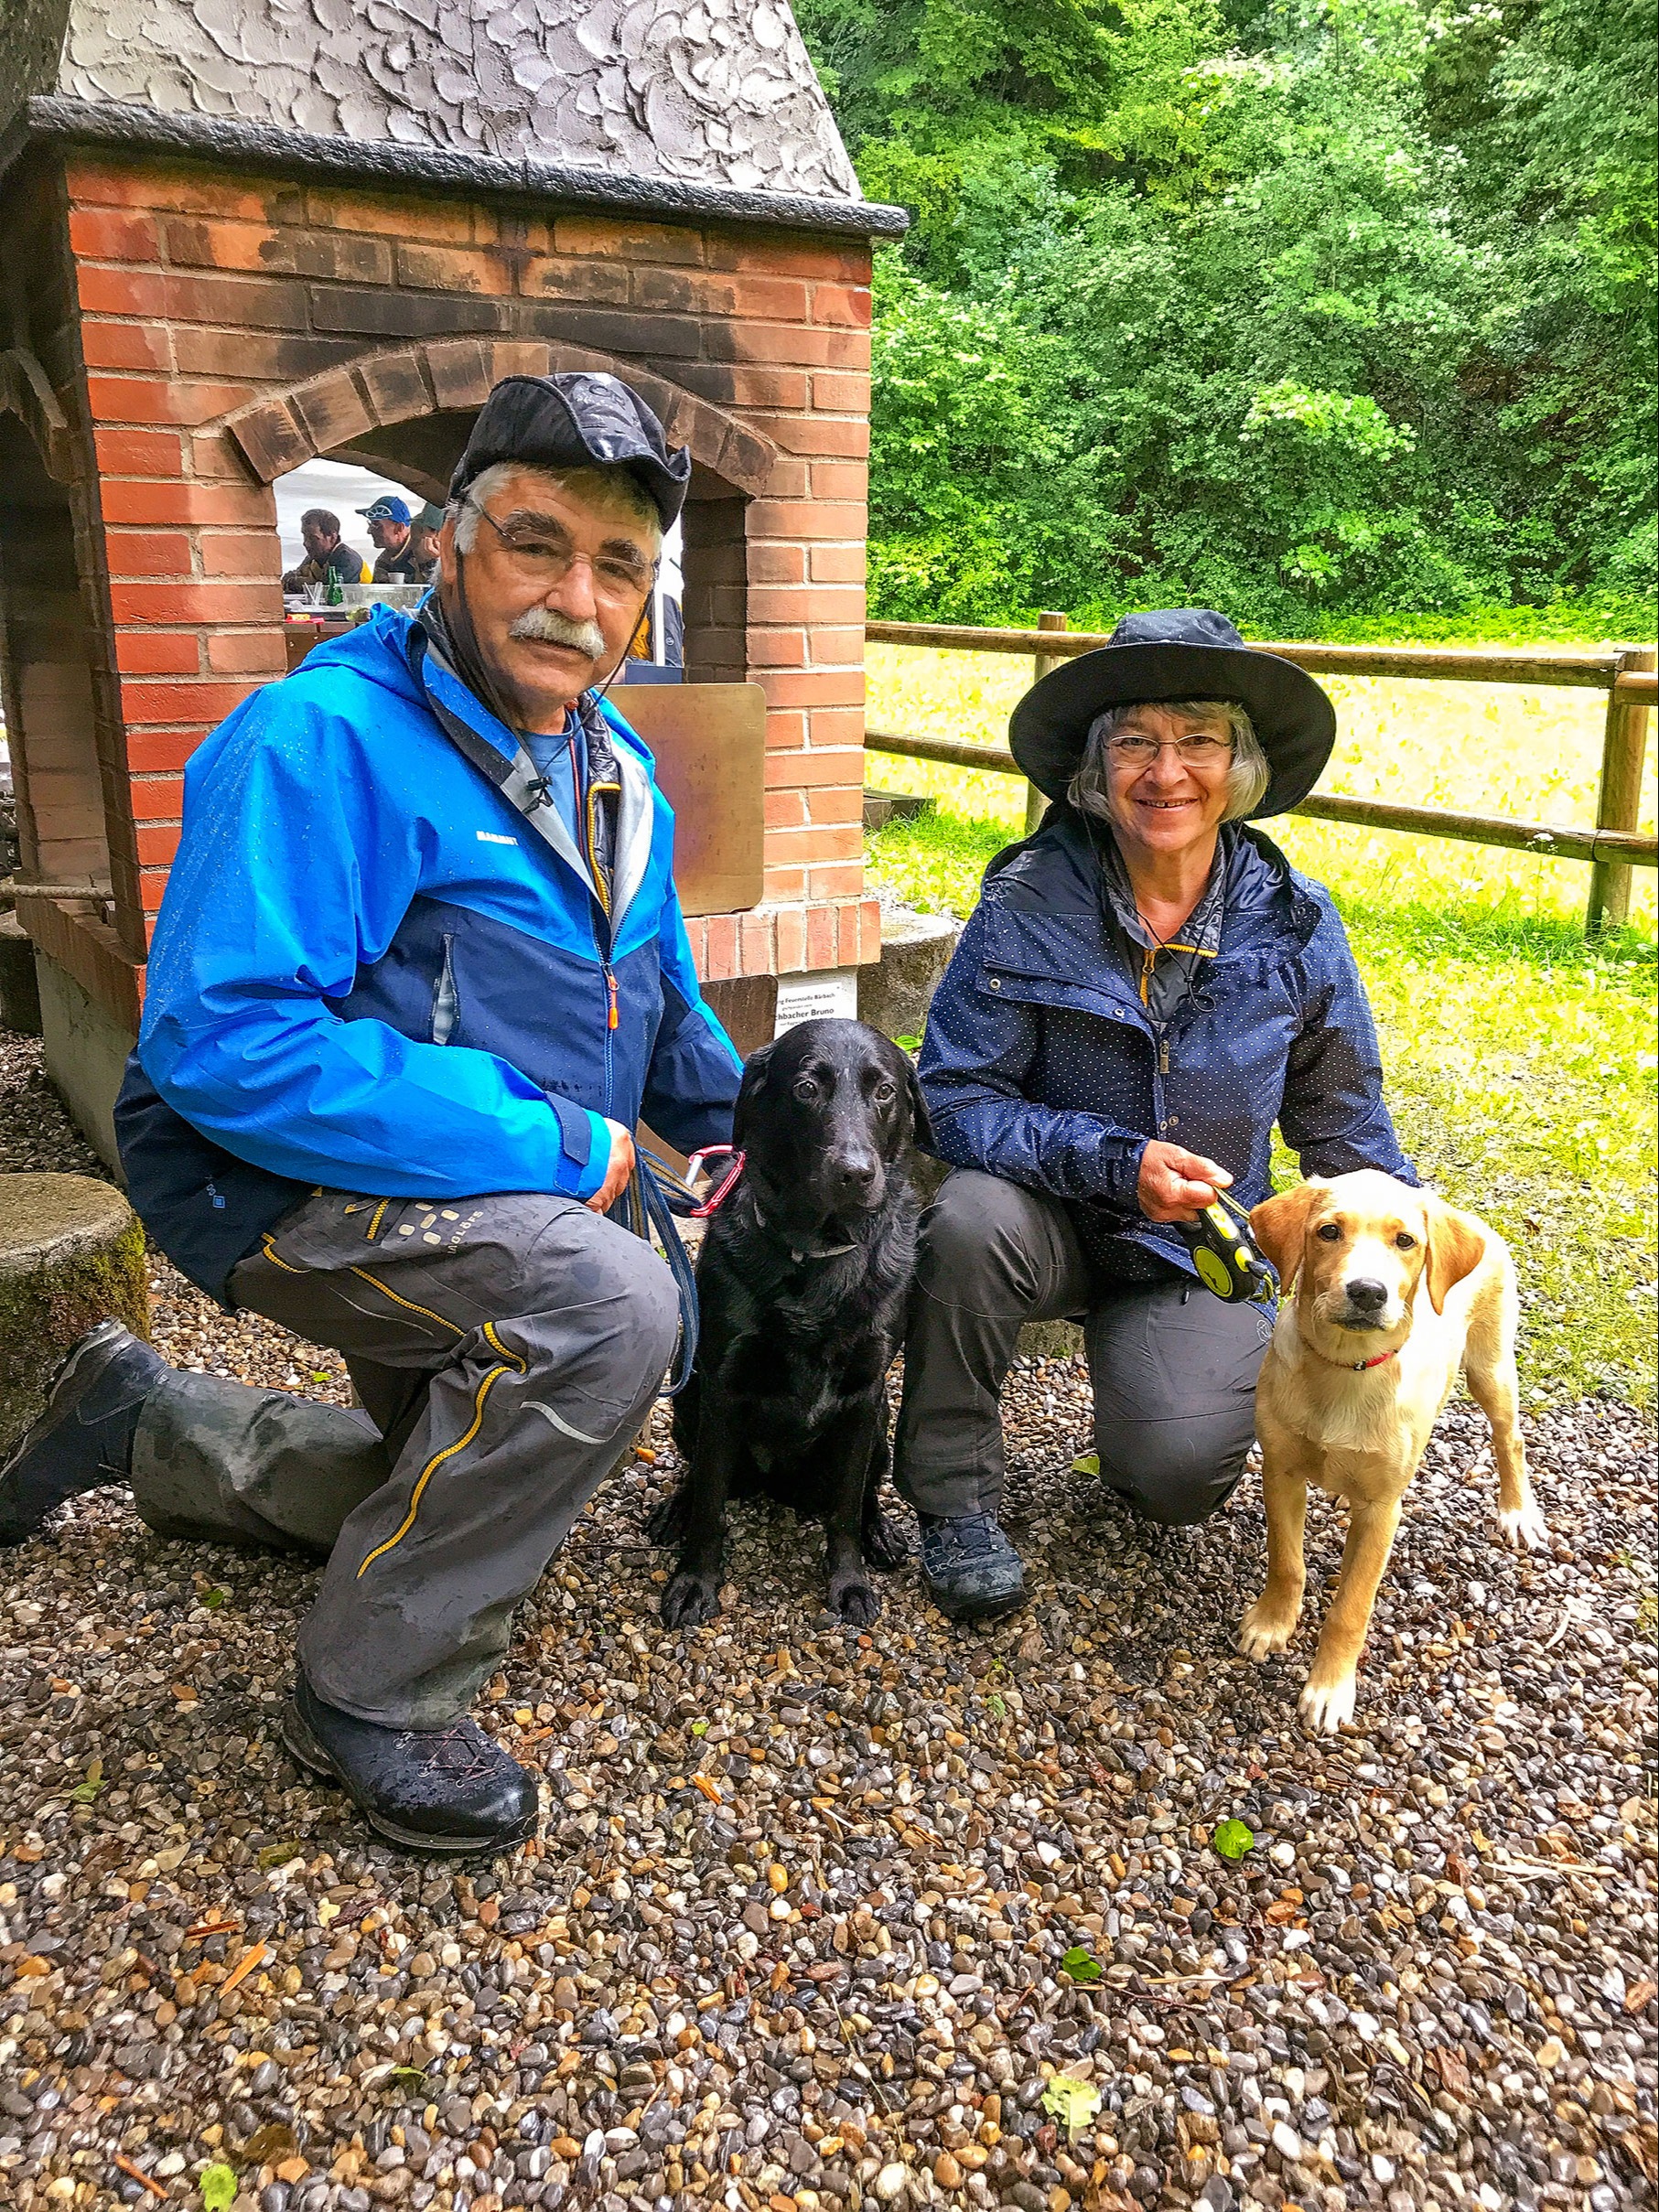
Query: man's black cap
x,y
579,421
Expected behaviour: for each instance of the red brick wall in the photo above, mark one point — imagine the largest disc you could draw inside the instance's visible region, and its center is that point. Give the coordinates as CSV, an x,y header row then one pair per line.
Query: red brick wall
x,y
200,292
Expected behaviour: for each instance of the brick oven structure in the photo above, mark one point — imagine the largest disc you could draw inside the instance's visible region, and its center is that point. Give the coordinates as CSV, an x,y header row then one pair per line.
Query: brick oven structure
x,y
236,236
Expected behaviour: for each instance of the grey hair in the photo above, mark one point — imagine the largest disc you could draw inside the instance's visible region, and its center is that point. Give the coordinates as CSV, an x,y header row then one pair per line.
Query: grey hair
x,y
463,512
1247,778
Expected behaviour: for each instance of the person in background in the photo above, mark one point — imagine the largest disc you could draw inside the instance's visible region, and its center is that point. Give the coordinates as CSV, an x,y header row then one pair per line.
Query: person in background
x,y
423,541
389,526
326,553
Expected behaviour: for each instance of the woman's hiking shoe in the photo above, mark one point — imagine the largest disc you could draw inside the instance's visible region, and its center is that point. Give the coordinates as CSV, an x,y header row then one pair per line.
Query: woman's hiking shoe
x,y
83,1439
442,1789
972,1571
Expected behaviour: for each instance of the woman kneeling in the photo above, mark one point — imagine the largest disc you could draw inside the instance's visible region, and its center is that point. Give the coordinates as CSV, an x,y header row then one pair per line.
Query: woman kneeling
x,y
1144,988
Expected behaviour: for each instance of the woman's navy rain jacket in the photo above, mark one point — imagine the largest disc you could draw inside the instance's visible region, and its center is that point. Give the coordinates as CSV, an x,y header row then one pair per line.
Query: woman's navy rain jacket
x,y
1042,1064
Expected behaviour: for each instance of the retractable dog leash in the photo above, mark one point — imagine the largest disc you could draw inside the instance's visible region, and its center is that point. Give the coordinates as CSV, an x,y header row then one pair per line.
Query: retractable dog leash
x,y
1228,1259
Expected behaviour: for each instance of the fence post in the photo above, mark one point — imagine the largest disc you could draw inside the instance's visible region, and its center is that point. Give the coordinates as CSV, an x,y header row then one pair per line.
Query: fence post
x,y
1617,797
1035,804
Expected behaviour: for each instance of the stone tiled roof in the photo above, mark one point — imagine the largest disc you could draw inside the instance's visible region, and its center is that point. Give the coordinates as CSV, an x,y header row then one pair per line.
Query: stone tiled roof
x,y
698,93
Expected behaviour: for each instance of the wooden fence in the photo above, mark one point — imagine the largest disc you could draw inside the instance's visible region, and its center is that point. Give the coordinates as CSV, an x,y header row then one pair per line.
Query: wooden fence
x,y
1613,847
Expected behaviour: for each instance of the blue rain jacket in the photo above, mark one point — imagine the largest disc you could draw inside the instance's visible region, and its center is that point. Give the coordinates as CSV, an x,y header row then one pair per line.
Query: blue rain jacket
x,y
1042,1064
372,972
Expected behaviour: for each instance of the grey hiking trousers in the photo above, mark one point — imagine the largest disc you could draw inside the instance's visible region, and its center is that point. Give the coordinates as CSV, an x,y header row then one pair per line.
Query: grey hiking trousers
x,y
1173,1367
505,1350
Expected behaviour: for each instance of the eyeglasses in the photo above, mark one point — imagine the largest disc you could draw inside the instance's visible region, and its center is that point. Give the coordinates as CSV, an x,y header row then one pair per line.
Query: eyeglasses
x,y
546,557
1130,750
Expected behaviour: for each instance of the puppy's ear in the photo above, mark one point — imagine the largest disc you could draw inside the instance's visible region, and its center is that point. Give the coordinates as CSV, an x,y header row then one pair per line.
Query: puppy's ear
x,y
1279,1225
749,1091
922,1128
1456,1247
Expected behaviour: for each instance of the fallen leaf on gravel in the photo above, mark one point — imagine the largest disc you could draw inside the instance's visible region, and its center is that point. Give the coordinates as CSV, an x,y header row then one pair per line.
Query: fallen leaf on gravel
x,y
1088,1463
217,2189
269,2143
1080,1963
1072,2103
1640,1995
1233,1839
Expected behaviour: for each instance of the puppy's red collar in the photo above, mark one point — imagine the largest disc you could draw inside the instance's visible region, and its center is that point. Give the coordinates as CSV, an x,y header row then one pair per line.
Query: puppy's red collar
x,y
725,1184
1354,1366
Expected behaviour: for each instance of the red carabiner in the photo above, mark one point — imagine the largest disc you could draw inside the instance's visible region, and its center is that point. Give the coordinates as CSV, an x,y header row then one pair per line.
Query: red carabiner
x,y
727,1184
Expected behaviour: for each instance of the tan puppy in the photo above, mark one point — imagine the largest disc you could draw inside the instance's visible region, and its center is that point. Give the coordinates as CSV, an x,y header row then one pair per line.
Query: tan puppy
x,y
1386,1291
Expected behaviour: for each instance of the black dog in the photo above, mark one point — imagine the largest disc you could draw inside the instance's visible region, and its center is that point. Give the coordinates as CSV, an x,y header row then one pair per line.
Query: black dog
x,y
803,1279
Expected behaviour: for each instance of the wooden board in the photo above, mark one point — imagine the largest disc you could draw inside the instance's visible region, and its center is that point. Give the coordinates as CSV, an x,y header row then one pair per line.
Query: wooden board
x,y
709,741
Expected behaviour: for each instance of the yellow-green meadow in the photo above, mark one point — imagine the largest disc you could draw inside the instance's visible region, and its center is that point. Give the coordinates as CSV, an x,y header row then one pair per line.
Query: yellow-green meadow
x,y
1521,1062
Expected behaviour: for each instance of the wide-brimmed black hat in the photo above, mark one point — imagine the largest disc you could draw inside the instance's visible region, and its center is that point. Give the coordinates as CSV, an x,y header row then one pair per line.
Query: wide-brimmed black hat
x,y
1178,652
577,421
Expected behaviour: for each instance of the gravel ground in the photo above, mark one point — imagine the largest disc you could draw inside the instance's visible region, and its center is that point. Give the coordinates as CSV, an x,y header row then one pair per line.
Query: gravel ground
x,y
794,1935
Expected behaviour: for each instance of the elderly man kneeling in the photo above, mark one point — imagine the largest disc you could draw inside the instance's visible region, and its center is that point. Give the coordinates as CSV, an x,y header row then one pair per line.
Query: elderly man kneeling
x,y
419,970
1144,988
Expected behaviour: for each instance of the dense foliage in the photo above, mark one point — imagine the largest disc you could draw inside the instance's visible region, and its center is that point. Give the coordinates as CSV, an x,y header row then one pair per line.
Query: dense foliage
x,y
1308,310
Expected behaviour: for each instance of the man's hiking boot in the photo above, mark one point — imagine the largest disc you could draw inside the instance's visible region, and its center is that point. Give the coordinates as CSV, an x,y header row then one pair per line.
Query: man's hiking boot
x,y
83,1439
972,1571
443,1790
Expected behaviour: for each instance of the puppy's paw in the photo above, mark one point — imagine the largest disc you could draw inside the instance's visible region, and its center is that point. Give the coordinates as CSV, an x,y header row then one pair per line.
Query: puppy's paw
x,y
853,1601
1264,1629
666,1525
690,1598
1325,1706
1522,1528
884,1547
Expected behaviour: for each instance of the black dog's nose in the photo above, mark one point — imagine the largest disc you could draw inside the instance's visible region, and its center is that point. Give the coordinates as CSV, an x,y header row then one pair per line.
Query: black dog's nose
x,y
855,1174
1367,1297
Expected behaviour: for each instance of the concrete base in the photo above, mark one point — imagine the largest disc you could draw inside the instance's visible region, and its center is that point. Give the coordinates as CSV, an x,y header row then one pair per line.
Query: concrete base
x,y
882,807
86,1055
895,993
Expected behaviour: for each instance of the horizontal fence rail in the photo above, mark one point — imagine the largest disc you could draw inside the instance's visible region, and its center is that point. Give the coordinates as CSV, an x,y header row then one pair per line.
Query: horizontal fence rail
x,y
1440,664
1625,673
1628,847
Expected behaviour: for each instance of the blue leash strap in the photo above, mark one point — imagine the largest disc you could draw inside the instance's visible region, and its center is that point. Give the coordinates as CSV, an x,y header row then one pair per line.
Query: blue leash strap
x,y
655,1195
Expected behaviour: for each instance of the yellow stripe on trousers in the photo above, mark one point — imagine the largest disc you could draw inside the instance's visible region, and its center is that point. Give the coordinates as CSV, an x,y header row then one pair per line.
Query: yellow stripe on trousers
x,y
514,1365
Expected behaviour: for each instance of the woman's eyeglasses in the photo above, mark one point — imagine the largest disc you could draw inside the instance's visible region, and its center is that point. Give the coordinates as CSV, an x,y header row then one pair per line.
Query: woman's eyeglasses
x,y
1128,750
547,558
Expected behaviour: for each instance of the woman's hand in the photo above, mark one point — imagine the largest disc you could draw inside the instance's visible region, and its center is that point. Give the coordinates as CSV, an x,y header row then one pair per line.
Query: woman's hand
x,y
617,1175
1176,1186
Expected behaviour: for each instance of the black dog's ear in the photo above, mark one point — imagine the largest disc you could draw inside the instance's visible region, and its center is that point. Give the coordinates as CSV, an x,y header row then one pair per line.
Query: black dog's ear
x,y
748,1090
922,1128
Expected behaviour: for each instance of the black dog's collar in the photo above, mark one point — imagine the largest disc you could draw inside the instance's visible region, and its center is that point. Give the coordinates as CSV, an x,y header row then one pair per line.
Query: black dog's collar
x,y
827,1252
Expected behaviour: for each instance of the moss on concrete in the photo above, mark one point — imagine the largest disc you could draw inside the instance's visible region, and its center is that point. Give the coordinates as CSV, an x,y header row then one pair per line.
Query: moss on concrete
x,y
71,1252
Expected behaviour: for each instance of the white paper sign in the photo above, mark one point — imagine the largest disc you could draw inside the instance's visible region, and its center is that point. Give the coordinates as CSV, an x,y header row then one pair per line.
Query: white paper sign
x,y
832,994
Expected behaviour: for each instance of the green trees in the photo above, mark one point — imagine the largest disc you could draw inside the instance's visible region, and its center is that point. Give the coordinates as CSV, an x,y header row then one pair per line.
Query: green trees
x,y
1317,308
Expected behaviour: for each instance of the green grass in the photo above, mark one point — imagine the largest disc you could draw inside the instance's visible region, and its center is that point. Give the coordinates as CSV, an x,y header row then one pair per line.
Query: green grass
x,y
1520,1061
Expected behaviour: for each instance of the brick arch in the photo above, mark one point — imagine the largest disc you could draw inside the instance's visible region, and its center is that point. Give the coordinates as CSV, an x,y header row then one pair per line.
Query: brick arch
x,y
331,413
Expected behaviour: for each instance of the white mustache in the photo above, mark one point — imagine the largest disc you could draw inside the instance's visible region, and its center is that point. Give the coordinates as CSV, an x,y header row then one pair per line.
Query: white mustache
x,y
545,626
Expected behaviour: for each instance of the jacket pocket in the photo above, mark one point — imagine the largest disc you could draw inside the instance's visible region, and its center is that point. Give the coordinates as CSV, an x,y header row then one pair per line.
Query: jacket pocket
x,y
446,999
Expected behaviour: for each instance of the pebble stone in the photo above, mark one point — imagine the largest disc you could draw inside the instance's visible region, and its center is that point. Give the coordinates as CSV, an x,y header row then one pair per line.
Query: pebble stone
x,y
797,1930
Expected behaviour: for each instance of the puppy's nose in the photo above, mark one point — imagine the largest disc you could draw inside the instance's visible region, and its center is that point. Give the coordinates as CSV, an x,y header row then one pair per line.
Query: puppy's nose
x,y
1367,1297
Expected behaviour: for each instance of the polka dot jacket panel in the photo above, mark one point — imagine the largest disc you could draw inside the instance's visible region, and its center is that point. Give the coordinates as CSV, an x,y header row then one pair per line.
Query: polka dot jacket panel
x,y
1040,1063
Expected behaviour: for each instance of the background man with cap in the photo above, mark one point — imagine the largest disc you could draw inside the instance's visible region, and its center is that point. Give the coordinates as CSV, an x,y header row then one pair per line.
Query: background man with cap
x,y
1145,987
419,970
396,560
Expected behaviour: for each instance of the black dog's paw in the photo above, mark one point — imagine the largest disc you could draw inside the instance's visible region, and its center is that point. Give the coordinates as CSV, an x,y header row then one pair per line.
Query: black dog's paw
x,y
853,1601
690,1598
883,1546
668,1521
